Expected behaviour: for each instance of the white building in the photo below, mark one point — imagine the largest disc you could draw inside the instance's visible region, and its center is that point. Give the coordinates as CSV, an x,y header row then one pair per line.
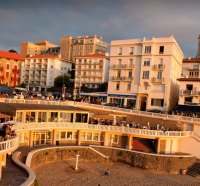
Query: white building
x,y
91,70
190,83
143,73
39,72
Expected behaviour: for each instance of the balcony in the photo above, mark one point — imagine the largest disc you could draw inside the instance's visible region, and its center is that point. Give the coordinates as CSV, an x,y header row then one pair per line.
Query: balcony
x,y
2,77
127,66
121,78
16,71
158,67
117,67
194,67
1,68
157,81
189,93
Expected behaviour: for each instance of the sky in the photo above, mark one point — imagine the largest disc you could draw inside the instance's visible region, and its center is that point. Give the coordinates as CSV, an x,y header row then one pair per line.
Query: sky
x,y
35,20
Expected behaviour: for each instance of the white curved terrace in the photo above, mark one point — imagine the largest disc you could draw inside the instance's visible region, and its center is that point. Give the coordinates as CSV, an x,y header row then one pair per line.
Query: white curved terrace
x,y
107,108
80,126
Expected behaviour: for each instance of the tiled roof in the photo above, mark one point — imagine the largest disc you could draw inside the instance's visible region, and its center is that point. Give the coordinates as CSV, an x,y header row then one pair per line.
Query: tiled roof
x,y
11,55
42,56
188,79
93,55
191,60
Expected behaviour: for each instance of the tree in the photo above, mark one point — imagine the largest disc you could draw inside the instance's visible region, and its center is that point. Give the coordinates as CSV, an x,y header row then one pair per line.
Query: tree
x,y
13,51
60,80
23,85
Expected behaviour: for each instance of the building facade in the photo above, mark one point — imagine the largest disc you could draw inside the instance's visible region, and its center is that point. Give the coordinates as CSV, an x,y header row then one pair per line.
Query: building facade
x,y
88,45
91,71
190,82
10,65
143,73
32,49
39,72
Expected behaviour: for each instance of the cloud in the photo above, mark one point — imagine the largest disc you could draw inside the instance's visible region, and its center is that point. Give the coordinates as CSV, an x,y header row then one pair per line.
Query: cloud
x,y
36,20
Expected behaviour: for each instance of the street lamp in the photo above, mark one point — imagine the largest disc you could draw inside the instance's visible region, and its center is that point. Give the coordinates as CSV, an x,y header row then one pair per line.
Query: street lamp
x,y
76,167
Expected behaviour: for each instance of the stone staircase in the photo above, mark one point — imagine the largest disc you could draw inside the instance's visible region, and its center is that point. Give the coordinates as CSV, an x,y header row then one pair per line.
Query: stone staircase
x,y
194,170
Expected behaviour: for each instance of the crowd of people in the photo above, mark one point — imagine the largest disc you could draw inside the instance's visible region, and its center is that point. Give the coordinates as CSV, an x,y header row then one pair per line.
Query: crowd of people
x,y
147,126
7,131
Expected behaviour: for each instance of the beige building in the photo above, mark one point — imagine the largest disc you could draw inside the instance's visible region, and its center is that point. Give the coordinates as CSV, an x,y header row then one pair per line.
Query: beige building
x,y
33,49
87,45
66,48
190,82
10,68
39,72
143,73
91,71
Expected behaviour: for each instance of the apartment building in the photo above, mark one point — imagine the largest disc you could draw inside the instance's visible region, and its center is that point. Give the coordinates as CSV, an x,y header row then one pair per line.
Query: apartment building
x,y
143,73
28,48
88,45
39,72
10,65
190,83
91,71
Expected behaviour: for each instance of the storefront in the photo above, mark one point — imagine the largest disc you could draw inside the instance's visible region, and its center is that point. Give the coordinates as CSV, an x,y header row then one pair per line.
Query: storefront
x,y
122,100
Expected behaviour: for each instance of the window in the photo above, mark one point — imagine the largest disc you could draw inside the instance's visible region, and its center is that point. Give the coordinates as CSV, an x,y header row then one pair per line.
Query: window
x,y
96,137
157,102
145,75
89,136
189,87
161,50
188,99
115,138
147,50
120,51
159,75
130,74
117,86
69,136
7,74
131,50
119,74
129,86
7,66
147,62
62,135
51,66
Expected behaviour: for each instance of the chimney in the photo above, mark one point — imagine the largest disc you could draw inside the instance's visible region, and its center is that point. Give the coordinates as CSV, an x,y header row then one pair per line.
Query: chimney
x,y
198,51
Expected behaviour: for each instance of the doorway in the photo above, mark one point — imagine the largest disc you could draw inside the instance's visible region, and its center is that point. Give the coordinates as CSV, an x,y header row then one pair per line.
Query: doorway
x,y
41,138
143,103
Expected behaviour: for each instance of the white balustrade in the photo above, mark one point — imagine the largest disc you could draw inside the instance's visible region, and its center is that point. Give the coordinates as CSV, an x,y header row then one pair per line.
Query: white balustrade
x,y
79,126
9,145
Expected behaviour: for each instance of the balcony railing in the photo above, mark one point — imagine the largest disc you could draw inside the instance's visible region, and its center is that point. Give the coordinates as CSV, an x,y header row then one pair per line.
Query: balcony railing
x,y
157,81
117,66
107,108
15,70
158,67
9,145
81,126
189,93
127,66
121,78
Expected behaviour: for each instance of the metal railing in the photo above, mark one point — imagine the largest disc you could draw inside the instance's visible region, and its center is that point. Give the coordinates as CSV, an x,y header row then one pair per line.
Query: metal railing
x,y
9,145
107,128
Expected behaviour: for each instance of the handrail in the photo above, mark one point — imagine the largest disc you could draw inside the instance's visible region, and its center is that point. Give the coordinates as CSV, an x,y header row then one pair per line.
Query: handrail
x,y
31,173
79,126
82,104
9,145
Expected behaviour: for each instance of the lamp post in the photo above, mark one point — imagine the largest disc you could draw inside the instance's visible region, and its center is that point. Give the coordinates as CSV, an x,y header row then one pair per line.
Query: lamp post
x,y
76,167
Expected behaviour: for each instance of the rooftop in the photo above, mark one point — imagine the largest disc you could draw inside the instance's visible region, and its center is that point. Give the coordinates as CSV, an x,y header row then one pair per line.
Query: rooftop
x,y
191,60
12,107
11,55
